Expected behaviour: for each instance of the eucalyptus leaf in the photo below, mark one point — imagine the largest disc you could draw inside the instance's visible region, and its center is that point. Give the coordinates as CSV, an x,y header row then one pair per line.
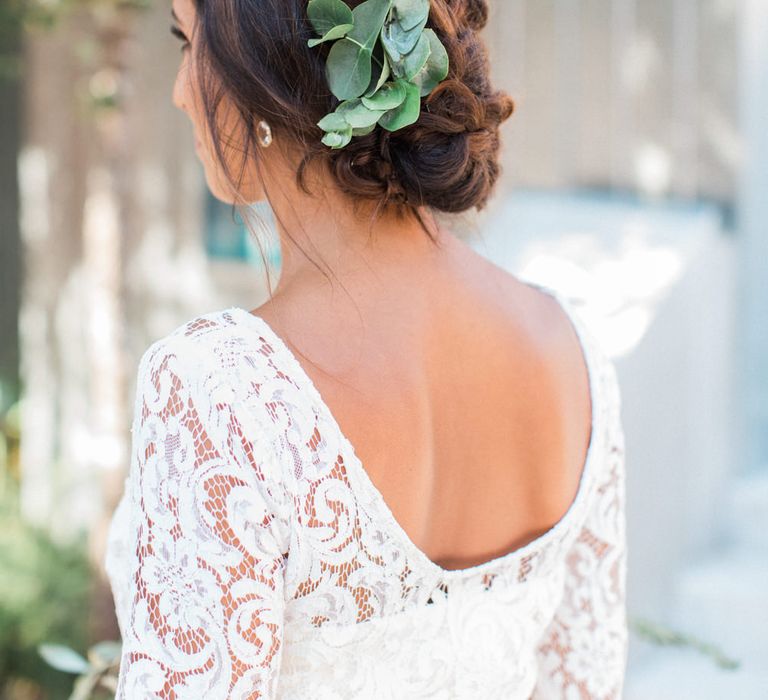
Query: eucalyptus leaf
x,y
368,18
398,40
333,122
391,95
334,33
348,66
363,130
393,55
436,68
416,59
338,139
398,69
63,658
382,63
358,114
405,114
324,15
411,12
383,74
348,69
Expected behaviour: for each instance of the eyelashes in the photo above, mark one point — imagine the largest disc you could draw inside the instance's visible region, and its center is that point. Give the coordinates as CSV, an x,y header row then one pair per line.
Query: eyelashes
x,y
180,35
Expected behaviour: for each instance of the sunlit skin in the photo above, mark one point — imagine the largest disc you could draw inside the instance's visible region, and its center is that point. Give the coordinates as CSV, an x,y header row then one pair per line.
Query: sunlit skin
x,y
476,381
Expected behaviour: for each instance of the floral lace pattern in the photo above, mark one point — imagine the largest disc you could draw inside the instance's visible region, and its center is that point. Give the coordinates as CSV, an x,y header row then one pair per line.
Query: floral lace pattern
x,y
252,557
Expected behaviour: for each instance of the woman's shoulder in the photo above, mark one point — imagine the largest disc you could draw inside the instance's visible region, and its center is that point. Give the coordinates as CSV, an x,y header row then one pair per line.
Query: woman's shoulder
x,y
203,329
225,357
219,340
220,370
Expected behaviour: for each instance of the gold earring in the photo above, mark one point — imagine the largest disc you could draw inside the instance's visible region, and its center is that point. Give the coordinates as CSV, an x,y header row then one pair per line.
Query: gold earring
x,y
264,133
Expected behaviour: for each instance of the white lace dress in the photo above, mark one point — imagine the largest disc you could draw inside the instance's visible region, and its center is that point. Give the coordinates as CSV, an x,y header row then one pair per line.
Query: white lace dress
x,y
252,557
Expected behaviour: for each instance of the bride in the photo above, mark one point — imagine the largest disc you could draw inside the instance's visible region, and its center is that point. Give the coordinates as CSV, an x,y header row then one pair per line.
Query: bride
x,y
402,475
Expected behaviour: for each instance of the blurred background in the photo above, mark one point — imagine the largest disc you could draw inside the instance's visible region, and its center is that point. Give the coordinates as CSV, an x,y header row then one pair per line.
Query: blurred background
x,y
635,181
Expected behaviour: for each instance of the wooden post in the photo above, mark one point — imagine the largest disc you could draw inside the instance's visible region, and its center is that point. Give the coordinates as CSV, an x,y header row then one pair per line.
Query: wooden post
x,y
10,240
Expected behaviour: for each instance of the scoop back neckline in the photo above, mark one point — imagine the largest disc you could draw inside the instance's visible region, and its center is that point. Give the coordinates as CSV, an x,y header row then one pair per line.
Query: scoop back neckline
x,y
360,481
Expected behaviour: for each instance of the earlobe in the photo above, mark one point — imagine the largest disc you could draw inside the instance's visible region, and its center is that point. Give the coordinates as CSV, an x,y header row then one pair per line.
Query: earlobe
x,y
177,92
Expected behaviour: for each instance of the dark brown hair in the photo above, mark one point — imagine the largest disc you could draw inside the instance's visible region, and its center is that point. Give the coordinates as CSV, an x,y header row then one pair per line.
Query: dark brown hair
x,y
255,52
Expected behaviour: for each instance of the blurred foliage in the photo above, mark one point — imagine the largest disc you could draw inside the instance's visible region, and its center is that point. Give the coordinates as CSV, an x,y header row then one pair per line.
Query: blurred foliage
x,y
10,438
660,635
46,13
20,16
97,674
44,597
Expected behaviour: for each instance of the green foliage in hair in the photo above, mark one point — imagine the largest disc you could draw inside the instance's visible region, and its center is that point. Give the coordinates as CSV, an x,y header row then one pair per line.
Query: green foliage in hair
x,y
382,62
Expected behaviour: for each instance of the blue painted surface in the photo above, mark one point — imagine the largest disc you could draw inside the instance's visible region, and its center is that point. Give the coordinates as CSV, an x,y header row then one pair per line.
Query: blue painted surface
x,y
549,213
227,237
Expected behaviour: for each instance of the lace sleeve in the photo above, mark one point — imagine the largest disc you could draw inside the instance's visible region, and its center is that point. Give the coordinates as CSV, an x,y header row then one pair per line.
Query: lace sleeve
x,y
583,651
209,533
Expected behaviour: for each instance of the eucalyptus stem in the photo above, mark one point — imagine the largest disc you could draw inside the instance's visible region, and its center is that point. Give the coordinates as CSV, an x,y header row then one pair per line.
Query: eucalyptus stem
x,y
349,38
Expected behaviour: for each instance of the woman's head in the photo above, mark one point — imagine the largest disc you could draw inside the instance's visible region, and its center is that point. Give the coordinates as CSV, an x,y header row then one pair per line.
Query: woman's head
x,y
249,62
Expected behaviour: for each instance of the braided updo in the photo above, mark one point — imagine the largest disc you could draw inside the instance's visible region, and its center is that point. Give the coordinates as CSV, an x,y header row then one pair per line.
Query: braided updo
x,y
447,160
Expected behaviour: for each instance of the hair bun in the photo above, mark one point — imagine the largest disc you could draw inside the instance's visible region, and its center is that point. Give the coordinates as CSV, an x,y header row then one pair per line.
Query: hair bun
x,y
476,13
472,14
448,159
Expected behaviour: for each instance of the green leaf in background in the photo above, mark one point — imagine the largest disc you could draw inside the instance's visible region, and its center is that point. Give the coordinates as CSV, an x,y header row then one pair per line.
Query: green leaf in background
x,y
407,113
105,653
327,14
661,635
334,33
63,658
436,68
391,95
101,670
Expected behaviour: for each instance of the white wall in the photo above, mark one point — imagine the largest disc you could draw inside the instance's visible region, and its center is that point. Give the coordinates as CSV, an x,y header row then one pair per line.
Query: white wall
x,y
753,230
656,286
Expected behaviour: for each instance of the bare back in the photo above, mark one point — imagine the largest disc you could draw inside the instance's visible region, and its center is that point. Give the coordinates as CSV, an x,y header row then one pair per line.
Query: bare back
x,y
464,393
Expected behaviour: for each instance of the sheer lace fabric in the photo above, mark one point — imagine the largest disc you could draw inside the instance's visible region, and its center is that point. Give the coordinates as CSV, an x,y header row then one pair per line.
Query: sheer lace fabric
x,y
251,556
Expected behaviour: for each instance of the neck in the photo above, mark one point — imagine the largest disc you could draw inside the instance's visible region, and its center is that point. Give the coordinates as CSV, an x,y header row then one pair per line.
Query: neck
x,y
342,240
